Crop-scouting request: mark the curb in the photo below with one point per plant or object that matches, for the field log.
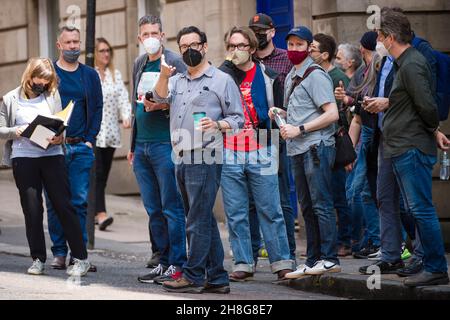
(355, 287)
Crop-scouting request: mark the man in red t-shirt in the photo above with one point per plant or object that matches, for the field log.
(248, 164)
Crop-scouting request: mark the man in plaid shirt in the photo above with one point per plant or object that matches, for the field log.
(276, 59)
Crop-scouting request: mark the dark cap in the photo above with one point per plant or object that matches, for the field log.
(369, 40)
(301, 32)
(261, 20)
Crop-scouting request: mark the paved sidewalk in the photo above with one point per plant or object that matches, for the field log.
(121, 253)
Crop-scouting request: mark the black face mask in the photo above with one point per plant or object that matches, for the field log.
(262, 41)
(192, 57)
(38, 89)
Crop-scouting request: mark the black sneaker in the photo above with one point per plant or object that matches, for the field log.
(414, 267)
(365, 252)
(155, 272)
(172, 273)
(384, 267)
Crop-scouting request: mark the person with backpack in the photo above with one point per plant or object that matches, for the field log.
(309, 133)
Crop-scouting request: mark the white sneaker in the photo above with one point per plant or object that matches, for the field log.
(79, 269)
(299, 273)
(375, 256)
(322, 267)
(37, 268)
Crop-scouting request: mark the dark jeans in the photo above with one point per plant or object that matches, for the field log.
(155, 174)
(413, 174)
(198, 185)
(289, 215)
(315, 193)
(103, 161)
(339, 178)
(79, 159)
(31, 174)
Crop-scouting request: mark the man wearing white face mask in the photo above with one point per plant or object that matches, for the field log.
(257, 85)
(150, 156)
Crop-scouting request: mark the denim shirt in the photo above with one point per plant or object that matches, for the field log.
(305, 104)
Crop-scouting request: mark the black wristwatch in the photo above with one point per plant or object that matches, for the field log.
(302, 130)
(219, 127)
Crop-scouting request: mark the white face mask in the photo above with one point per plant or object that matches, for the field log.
(152, 45)
(381, 49)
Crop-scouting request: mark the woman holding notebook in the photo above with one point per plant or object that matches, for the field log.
(35, 167)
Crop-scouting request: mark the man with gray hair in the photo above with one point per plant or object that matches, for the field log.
(410, 127)
(348, 59)
(81, 84)
(151, 156)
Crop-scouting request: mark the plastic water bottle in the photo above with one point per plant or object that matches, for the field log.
(278, 119)
(445, 166)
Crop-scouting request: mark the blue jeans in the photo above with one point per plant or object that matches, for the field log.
(362, 188)
(410, 168)
(338, 180)
(315, 194)
(238, 179)
(359, 235)
(79, 159)
(285, 200)
(155, 174)
(198, 185)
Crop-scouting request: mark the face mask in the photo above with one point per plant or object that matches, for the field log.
(297, 57)
(152, 45)
(339, 66)
(71, 56)
(38, 89)
(240, 57)
(387, 49)
(381, 49)
(262, 41)
(192, 57)
(318, 60)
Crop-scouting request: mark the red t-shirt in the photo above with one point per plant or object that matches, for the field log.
(245, 140)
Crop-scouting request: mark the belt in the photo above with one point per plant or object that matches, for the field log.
(74, 140)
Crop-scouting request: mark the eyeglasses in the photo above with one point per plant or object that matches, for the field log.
(240, 46)
(104, 51)
(193, 46)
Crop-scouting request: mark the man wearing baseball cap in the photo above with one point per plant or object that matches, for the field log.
(309, 134)
(277, 60)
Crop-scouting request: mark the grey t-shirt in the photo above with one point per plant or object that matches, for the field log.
(305, 104)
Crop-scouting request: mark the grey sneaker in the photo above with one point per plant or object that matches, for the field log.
(79, 269)
(37, 268)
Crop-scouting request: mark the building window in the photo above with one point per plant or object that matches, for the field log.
(48, 28)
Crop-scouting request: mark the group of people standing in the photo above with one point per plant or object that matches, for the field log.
(196, 128)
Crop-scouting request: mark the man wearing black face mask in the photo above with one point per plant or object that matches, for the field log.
(275, 59)
(81, 84)
(267, 53)
(203, 101)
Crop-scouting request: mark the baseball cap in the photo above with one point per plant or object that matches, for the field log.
(262, 21)
(301, 32)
